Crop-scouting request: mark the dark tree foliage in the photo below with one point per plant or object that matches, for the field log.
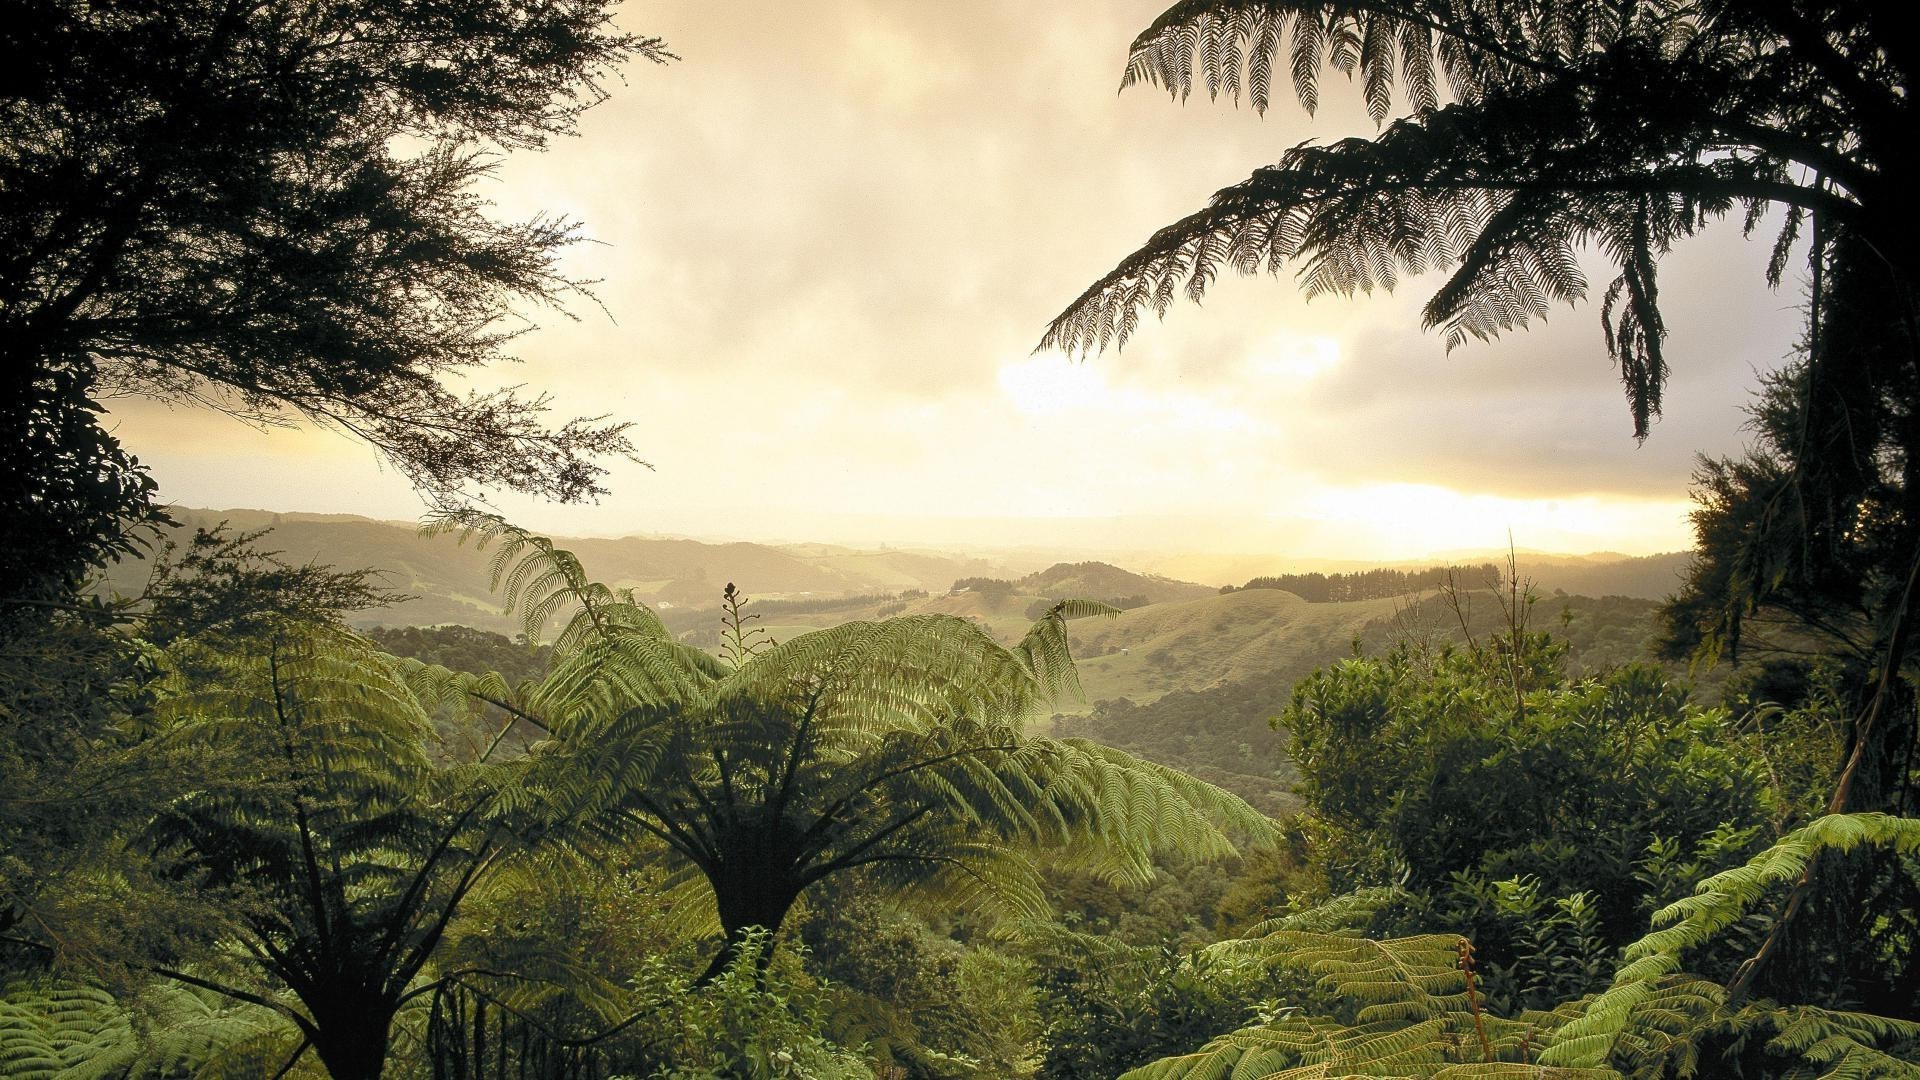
(462, 648)
(1317, 588)
(71, 496)
(267, 206)
(996, 588)
(1810, 542)
(1572, 124)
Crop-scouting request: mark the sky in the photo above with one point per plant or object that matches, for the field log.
(828, 238)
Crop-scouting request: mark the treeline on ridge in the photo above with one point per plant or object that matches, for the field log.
(1376, 584)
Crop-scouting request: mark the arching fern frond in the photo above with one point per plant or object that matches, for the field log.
(1133, 810)
(1503, 191)
(1233, 44)
(1308, 1048)
(1646, 979)
(912, 673)
(534, 578)
(1415, 1014)
(1044, 647)
(64, 1031)
(1563, 134)
(314, 690)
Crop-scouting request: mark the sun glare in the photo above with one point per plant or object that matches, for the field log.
(1049, 384)
(1296, 356)
(1380, 518)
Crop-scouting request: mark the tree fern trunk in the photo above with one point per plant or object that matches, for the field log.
(353, 1036)
(749, 900)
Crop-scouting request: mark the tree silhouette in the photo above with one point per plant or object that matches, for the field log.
(266, 206)
(1572, 124)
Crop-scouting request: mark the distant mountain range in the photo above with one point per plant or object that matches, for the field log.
(451, 583)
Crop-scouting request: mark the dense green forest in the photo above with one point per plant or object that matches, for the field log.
(1398, 824)
(1316, 588)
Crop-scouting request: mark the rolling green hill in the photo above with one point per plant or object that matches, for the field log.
(1221, 730)
(1106, 582)
(1187, 676)
(1199, 643)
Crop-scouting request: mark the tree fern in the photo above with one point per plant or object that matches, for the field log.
(896, 747)
(1648, 983)
(335, 846)
(1571, 124)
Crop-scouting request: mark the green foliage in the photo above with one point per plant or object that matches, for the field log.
(1110, 1006)
(70, 681)
(332, 849)
(1644, 983)
(1440, 762)
(931, 1003)
(82, 684)
(1544, 816)
(897, 747)
(1413, 1007)
(746, 1023)
(60, 1031)
(1559, 950)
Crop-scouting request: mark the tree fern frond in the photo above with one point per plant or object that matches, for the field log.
(1693, 921)
(534, 578)
(1544, 150)
(913, 672)
(1349, 913)
(63, 1031)
(1383, 45)
(1517, 1071)
(1045, 650)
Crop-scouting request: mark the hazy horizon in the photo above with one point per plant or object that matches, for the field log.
(1198, 564)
